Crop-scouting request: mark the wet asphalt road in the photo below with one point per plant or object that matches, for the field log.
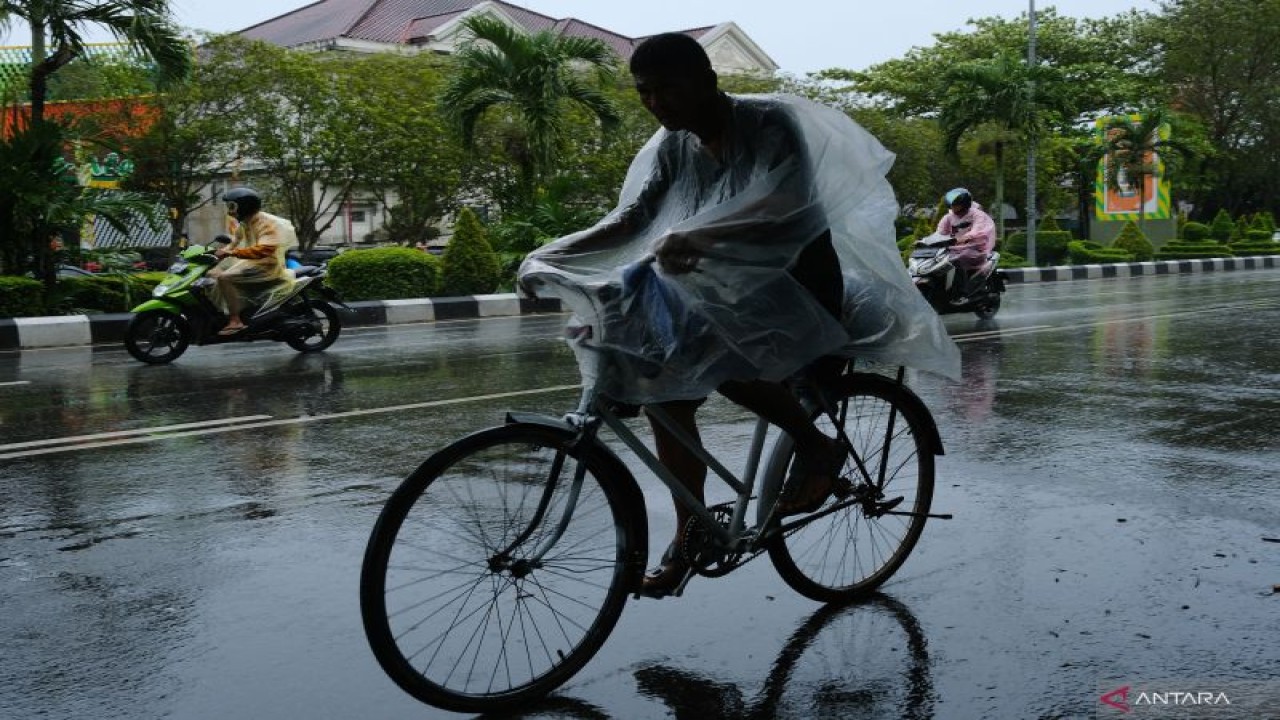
(1110, 463)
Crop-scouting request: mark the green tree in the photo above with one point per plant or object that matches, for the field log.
(1221, 64)
(41, 202)
(533, 78)
(409, 161)
(57, 36)
(469, 266)
(189, 138)
(299, 129)
(997, 96)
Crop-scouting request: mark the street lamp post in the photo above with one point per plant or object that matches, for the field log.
(1031, 134)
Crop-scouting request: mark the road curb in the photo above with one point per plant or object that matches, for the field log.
(74, 330)
(1137, 269)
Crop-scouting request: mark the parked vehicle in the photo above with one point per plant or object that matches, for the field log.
(949, 289)
(179, 313)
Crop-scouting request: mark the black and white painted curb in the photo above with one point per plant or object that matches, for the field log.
(108, 328)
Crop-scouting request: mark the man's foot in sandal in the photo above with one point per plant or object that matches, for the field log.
(664, 579)
(231, 330)
(813, 480)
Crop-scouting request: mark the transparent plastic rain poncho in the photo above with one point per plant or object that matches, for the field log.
(792, 170)
(262, 281)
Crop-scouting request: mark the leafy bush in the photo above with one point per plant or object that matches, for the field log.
(21, 297)
(110, 293)
(1084, 252)
(1257, 236)
(470, 266)
(1195, 231)
(1051, 246)
(1250, 246)
(1221, 227)
(1191, 250)
(1263, 221)
(1047, 224)
(388, 273)
(1133, 241)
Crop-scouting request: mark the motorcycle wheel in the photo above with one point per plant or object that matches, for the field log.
(156, 337)
(989, 308)
(327, 324)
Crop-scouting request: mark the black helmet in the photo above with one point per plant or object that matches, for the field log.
(959, 196)
(242, 202)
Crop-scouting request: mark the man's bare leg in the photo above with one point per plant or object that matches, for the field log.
(690, 471)
(231, 295)
(816, 453)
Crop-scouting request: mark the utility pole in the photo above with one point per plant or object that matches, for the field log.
(1031, 135)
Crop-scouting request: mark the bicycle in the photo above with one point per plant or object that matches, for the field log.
(499, 567)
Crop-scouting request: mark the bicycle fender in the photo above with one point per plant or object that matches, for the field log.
(632, 497)
(932, 438)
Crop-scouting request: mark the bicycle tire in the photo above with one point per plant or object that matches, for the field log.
(848, 553)
(437, 592)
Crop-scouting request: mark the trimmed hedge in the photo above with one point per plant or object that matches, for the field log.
(1133, 241)
(470, 265)
(1193, 250)
(388, 273)
(21, 297)
(1195, 231)
(1084, 252)
(1222, 226)
(1051, 246)
(1256, 247)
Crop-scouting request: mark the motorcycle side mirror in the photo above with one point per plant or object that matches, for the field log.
(222, 240)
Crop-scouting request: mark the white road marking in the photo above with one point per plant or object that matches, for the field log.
(284, 421)
(78, 439)
(15, 382)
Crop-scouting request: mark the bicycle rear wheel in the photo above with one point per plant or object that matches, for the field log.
(470, 602)
(849, 552)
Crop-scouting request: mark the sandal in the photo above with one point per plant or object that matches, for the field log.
(664, 580)
(668, 578)
(812, 481)
(229, 331)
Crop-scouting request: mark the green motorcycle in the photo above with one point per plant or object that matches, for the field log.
(179, 312)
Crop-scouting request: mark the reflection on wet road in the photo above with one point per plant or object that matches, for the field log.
(184, 541)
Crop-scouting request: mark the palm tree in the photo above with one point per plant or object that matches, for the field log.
(996, 94)
(57, 28)
(1131, 146)
(533, 77)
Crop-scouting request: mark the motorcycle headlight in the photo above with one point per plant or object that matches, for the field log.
(160, 290)
(178, 267)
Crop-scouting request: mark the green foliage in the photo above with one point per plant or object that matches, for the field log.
(1188, 250)
(533, 79)
(1047, 224)
(1222, 226)
(390, 273)
(1240, 228)
(1133, 241)
(1051, 246)
(470, 266)
(1083, 252)
(21, 297)
(1194, 231)
(1256, 247)
(1255, 236)
(1263, 221)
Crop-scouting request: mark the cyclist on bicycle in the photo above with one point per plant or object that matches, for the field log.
(721, 269)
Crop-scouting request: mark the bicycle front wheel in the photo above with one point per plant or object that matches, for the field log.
(848, 552)
(497, 569)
